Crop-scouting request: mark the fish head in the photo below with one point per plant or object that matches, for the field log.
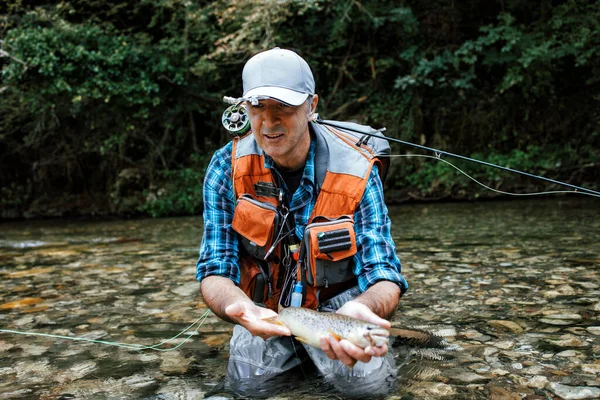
(369, 335)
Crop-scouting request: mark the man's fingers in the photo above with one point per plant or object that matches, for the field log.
(377, 351)
(355, 352)
(326, 347)
(348, 353)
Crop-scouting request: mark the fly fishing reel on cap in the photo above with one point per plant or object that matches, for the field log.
(235, 117)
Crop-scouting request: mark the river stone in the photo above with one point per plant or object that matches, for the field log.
(480, 368)
(587, 285)
(34, 371)
(594, 330)
(560, 322)
(500, 393)
(571, 316)
(488, 351)
(419, 267)
(506, 325)
(568, 341)
(570, 353)
(174, 363)
(516, 366)
(504, 345)
(493, 300)
(76, 371)
(33, 350)
(188, 289)
(137, 381)
(595, 307)
(534, 370)
(17, 394)
(7, 371)
(564, 290)
(573, 392)
(500, 372)
(468, 377)
(538, 382)
(184, 389)
(431, 389)
(470, 334)
(4, 346)
(591, 368)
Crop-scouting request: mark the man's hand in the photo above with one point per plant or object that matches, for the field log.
(230, 303)
(347, 352)
(252, 317)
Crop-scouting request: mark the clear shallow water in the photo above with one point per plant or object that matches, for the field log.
(513, 287)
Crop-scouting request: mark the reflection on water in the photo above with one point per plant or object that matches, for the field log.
(513, 288)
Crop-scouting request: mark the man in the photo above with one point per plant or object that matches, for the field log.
(261, 193)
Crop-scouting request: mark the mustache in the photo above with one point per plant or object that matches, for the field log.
(273, 131)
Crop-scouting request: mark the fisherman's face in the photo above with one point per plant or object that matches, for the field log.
(282, 131)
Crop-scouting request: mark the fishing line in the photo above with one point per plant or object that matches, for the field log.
(484, 185)
(378, 134)
(133, 346)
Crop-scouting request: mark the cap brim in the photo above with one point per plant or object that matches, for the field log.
(283, 95)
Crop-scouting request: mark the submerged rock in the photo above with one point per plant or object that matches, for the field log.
(506, 325)
(574, 392)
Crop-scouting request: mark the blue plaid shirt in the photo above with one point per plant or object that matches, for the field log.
(375, 260)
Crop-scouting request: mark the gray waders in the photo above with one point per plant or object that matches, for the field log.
(253, 361)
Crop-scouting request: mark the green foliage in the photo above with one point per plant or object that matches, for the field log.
(180, 192)
(92, 89)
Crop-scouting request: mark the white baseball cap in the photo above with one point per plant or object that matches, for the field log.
(280, 75)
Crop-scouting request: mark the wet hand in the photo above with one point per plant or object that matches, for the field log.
(360, 311)
(253, 318)
(347, 352)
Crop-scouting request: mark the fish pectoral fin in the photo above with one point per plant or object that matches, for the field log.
(335, 335)
(301, 340)
(273, 320)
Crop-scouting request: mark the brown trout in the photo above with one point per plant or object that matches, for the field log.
(308, 326)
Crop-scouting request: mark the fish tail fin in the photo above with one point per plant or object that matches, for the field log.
(416, 337)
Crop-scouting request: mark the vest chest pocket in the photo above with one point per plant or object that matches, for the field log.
(255, 221)
(329, 245)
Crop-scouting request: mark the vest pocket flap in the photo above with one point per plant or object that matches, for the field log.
(329, 245)
(254, 220)
(333, 241)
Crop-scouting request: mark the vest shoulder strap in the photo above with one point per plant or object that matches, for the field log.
(356, 137)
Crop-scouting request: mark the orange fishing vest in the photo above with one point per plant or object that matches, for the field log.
(346, 167)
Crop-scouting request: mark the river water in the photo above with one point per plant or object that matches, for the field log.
(512, 288)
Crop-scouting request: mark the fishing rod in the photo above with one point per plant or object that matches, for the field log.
(378, 133)
(236, 121)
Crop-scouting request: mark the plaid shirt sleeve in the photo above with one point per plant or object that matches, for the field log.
(219, 248)
(376, 259)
